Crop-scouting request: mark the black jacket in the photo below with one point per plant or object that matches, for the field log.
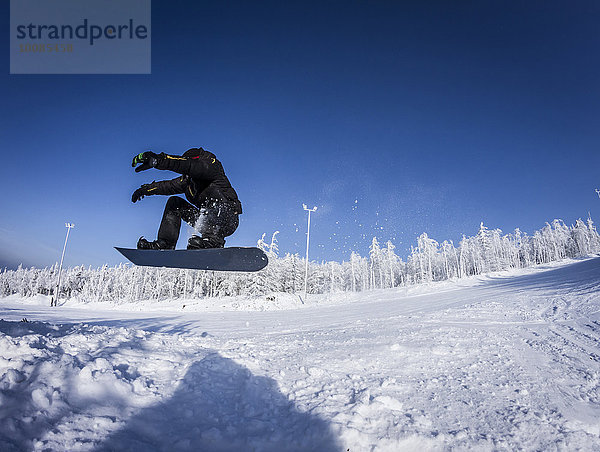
(202, 179)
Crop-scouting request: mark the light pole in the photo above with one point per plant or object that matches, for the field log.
(307, 242)
(54, 301)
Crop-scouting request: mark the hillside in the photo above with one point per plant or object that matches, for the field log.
(504, 361)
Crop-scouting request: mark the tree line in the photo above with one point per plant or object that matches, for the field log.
(487, 251)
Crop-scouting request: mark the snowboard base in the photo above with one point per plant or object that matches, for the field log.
(235, 259)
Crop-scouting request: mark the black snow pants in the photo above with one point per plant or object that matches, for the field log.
(218, 221)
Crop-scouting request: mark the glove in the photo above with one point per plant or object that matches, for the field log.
(140, 193)
(147, 159)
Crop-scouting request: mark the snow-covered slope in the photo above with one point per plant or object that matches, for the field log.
(509, 361)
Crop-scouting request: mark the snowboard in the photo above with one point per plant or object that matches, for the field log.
(236, 259)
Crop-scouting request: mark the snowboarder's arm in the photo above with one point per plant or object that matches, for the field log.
(193, 166)
(165, 187)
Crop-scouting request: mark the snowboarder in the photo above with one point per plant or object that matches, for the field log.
(213, 206)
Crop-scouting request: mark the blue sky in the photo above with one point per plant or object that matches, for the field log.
(394, 118)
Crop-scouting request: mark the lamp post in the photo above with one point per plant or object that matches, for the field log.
(54, 301)
(307, 242)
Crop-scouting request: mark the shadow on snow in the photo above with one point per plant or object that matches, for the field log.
(221, 406)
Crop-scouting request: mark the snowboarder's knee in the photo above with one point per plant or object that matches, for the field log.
(175, 202)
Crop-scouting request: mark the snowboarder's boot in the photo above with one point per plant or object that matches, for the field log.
(159, 244)
(200, 243)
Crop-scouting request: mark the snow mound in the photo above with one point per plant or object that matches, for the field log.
(80, 387)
